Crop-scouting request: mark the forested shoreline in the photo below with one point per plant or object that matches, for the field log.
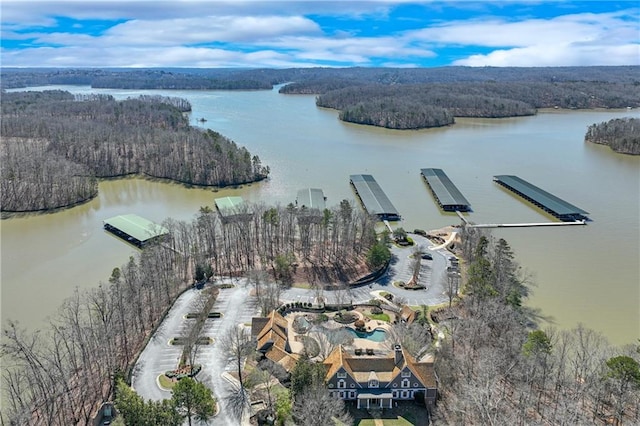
(304, 80)
(620, 134)
(55, 146)
(394, 98)
(497, 366)
(433, 105)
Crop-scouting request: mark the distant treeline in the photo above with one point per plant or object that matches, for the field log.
(54, 146)
(311, 80)
(621, 134)
(395, 98)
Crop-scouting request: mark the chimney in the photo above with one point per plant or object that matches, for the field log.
(398, 357)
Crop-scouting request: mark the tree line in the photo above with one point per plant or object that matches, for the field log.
(432, 105)
(496, 367)
(83, 138)
(312, 80)
(620, 134)
(60, 375)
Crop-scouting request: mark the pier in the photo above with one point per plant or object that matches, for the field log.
(525, 225)
(445, 192)
(548, 202)
(373, 198)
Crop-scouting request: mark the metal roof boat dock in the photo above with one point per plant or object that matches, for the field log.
(232, 209)
(134, 229)
(311, 198)
(373, 198)
(548, 202)
(445, 192)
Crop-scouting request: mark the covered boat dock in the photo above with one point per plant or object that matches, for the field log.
(232, 209)
(445, 192)
(311, 198)
(373, 198)
(548, 202)
(134, 229)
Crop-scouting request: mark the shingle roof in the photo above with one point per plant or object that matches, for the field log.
(273, 337)
(360, 367)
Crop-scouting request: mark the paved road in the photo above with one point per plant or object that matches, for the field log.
(237, 306)
(432, 276)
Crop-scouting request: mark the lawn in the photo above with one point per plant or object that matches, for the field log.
(399, 421)
(379, 317)
(165, 382)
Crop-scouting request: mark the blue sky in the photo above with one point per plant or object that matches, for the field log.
(278, 34)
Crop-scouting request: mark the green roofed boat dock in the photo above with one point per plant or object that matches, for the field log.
(134, 229)
(233, 209)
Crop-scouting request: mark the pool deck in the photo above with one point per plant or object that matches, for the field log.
(360, 343)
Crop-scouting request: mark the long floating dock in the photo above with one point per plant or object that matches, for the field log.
(373, 198)
(445, 192)
(548, 202)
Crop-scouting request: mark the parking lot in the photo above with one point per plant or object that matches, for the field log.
(237, 307)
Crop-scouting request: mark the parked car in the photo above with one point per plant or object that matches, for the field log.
(427, 256)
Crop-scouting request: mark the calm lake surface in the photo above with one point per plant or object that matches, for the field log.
(588, 274)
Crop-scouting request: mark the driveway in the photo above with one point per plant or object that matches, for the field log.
(237, 306)
(433, 276)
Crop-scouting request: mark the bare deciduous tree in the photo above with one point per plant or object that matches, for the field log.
(314, 407)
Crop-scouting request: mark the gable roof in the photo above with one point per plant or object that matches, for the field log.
(273, 339)
(257, 324)
(385, 368)
(407, 314)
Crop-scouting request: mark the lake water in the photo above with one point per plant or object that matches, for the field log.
(588, 274)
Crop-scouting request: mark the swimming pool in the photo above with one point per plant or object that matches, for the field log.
(377, 335)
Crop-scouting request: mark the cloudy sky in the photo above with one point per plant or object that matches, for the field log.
(237, 33)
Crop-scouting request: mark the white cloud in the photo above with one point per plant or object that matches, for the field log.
(211, 29)
(557, 55)
(273, 34)
(578, 39)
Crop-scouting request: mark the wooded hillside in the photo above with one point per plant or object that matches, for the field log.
(80, 139)
(388, 97)
(436, 104)
(621, 134)
(309, 80)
